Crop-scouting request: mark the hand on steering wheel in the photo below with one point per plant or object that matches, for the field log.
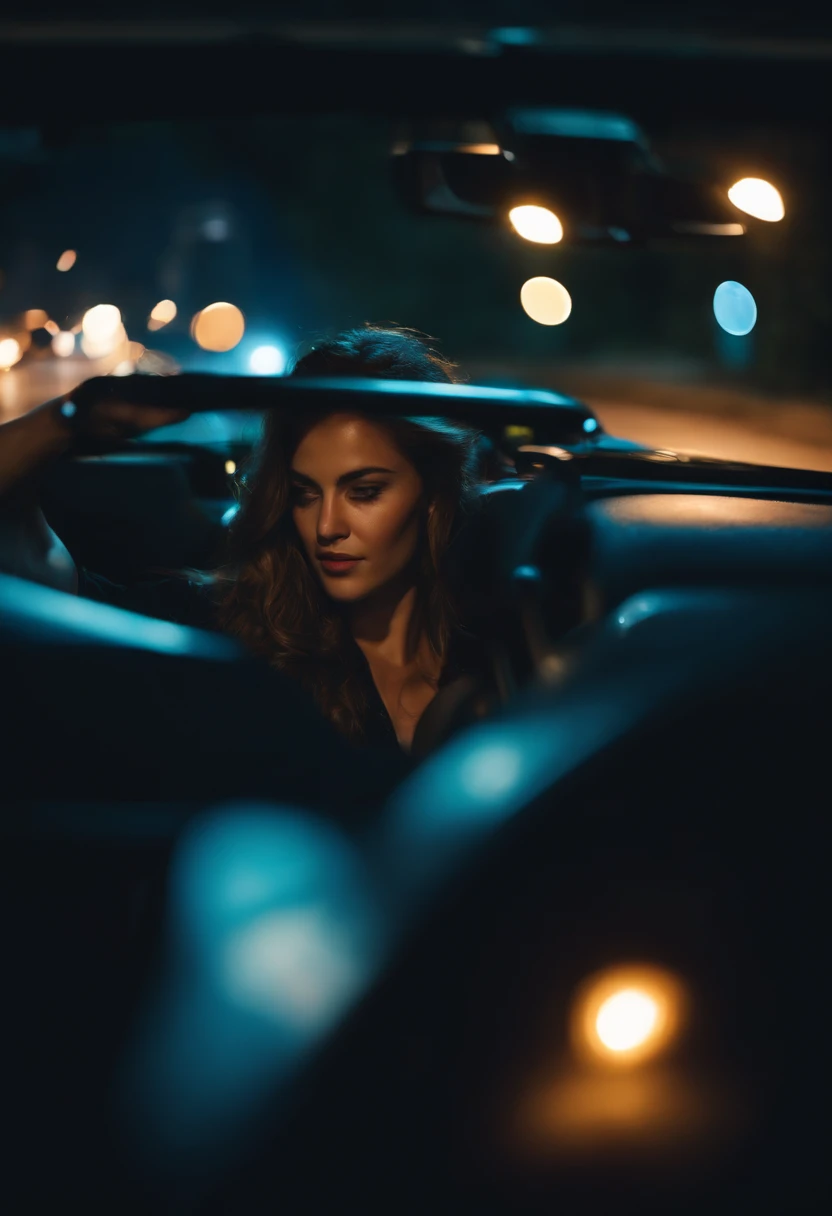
(106, 423)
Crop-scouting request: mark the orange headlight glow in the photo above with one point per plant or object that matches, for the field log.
(627, 1014)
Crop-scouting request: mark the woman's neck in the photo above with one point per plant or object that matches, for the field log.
(386, 626)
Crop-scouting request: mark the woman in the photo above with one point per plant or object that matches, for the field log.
(334, 566)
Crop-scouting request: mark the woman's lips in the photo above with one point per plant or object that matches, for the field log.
(337, 566)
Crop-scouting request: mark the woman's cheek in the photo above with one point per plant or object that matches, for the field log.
(303, 529)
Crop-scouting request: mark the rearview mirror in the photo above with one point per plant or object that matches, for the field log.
(595, 172)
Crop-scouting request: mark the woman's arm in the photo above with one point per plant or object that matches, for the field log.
(29, 446)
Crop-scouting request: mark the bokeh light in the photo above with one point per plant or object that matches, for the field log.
(52, 328)
(10, 353)
(537, 224)
(545, 300)
(101, 321)
(162, 314)
(479, 149)
(216, 229)
(231, 467)
(735, 308)
(35, 318)
(219, 327)
(63, 344)
(103, 331)
(759, 198)
(67, 260)
(491, 771)
(627, 1014)
(626, 1020)
(267, 361)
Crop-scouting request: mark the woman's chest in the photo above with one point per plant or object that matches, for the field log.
(405, 698)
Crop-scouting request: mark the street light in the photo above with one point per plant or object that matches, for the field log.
(757, 197)
(537, 224)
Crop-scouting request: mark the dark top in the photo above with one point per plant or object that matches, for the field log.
(191, 603)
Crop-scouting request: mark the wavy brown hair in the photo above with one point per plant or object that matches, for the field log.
(272, 600)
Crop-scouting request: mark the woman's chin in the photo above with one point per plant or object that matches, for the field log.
(343, 592)
(345, 597)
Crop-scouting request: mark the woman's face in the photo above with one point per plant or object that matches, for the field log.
(355, 496)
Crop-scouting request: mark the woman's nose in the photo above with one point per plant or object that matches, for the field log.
(331, 525)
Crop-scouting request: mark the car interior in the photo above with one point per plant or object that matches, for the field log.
(659, 651)
(252, 968)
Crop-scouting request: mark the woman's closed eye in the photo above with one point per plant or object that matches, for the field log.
(365, 493)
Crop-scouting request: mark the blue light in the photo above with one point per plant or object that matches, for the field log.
(27, 607)
(735, 308)
(267, 361)
(576, 124)
(590, 425)
(274, 931)
(526, 574)
(515, 36)
(491, 772)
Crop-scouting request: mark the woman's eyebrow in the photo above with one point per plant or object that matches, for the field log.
(345, 477)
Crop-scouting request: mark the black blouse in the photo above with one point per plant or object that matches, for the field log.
(190, 603)
(466, 656)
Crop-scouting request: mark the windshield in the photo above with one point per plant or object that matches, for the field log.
(231, 245)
